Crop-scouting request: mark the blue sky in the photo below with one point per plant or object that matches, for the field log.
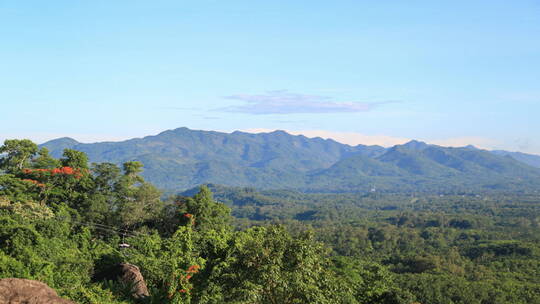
(447, 72)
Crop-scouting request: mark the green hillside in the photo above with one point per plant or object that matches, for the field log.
(182, 158)
(70, 224)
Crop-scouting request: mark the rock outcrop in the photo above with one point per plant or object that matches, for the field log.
(126, 274)
(22, 291)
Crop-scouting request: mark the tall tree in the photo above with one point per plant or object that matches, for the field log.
(74, 159)
(44, 160)
(17, 154)
(138, 201)
(208, 213)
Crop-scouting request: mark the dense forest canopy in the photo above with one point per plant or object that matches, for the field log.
(63, 219)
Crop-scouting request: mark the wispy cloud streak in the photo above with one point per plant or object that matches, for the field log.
(283, 102)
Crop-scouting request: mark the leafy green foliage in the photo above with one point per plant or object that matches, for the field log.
(270, 266)
(471, 248)
(62, 221)
(17, 154)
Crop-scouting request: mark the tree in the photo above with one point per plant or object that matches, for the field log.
(74, 159)
(132, 168)
(137, 201)
(44, 160)
(104, 200)
(208, 214)
(106, 175)
(145, 204)
(369, 281)
(268, 265)
(17, 154)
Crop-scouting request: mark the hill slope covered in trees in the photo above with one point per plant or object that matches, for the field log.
(64, 221)
(183, 158)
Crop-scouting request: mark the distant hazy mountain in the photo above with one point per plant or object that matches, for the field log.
(529, 159)
(183, 158)
(431, 168)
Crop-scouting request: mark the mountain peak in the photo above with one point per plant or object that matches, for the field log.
(415, 145)
(62, 141)
(57, 146)
(279, 132)
(181, 130)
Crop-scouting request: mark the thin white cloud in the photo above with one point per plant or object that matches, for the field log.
(283, 102)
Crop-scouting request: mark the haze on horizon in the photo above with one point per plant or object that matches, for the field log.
(452, 73)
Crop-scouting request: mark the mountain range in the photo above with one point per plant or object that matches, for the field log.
(179, 159)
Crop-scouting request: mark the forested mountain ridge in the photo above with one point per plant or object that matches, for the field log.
(430, 168)
(65, 222)
(182, 158)
(529, 159)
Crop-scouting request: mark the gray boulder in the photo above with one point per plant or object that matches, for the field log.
(22, 291)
